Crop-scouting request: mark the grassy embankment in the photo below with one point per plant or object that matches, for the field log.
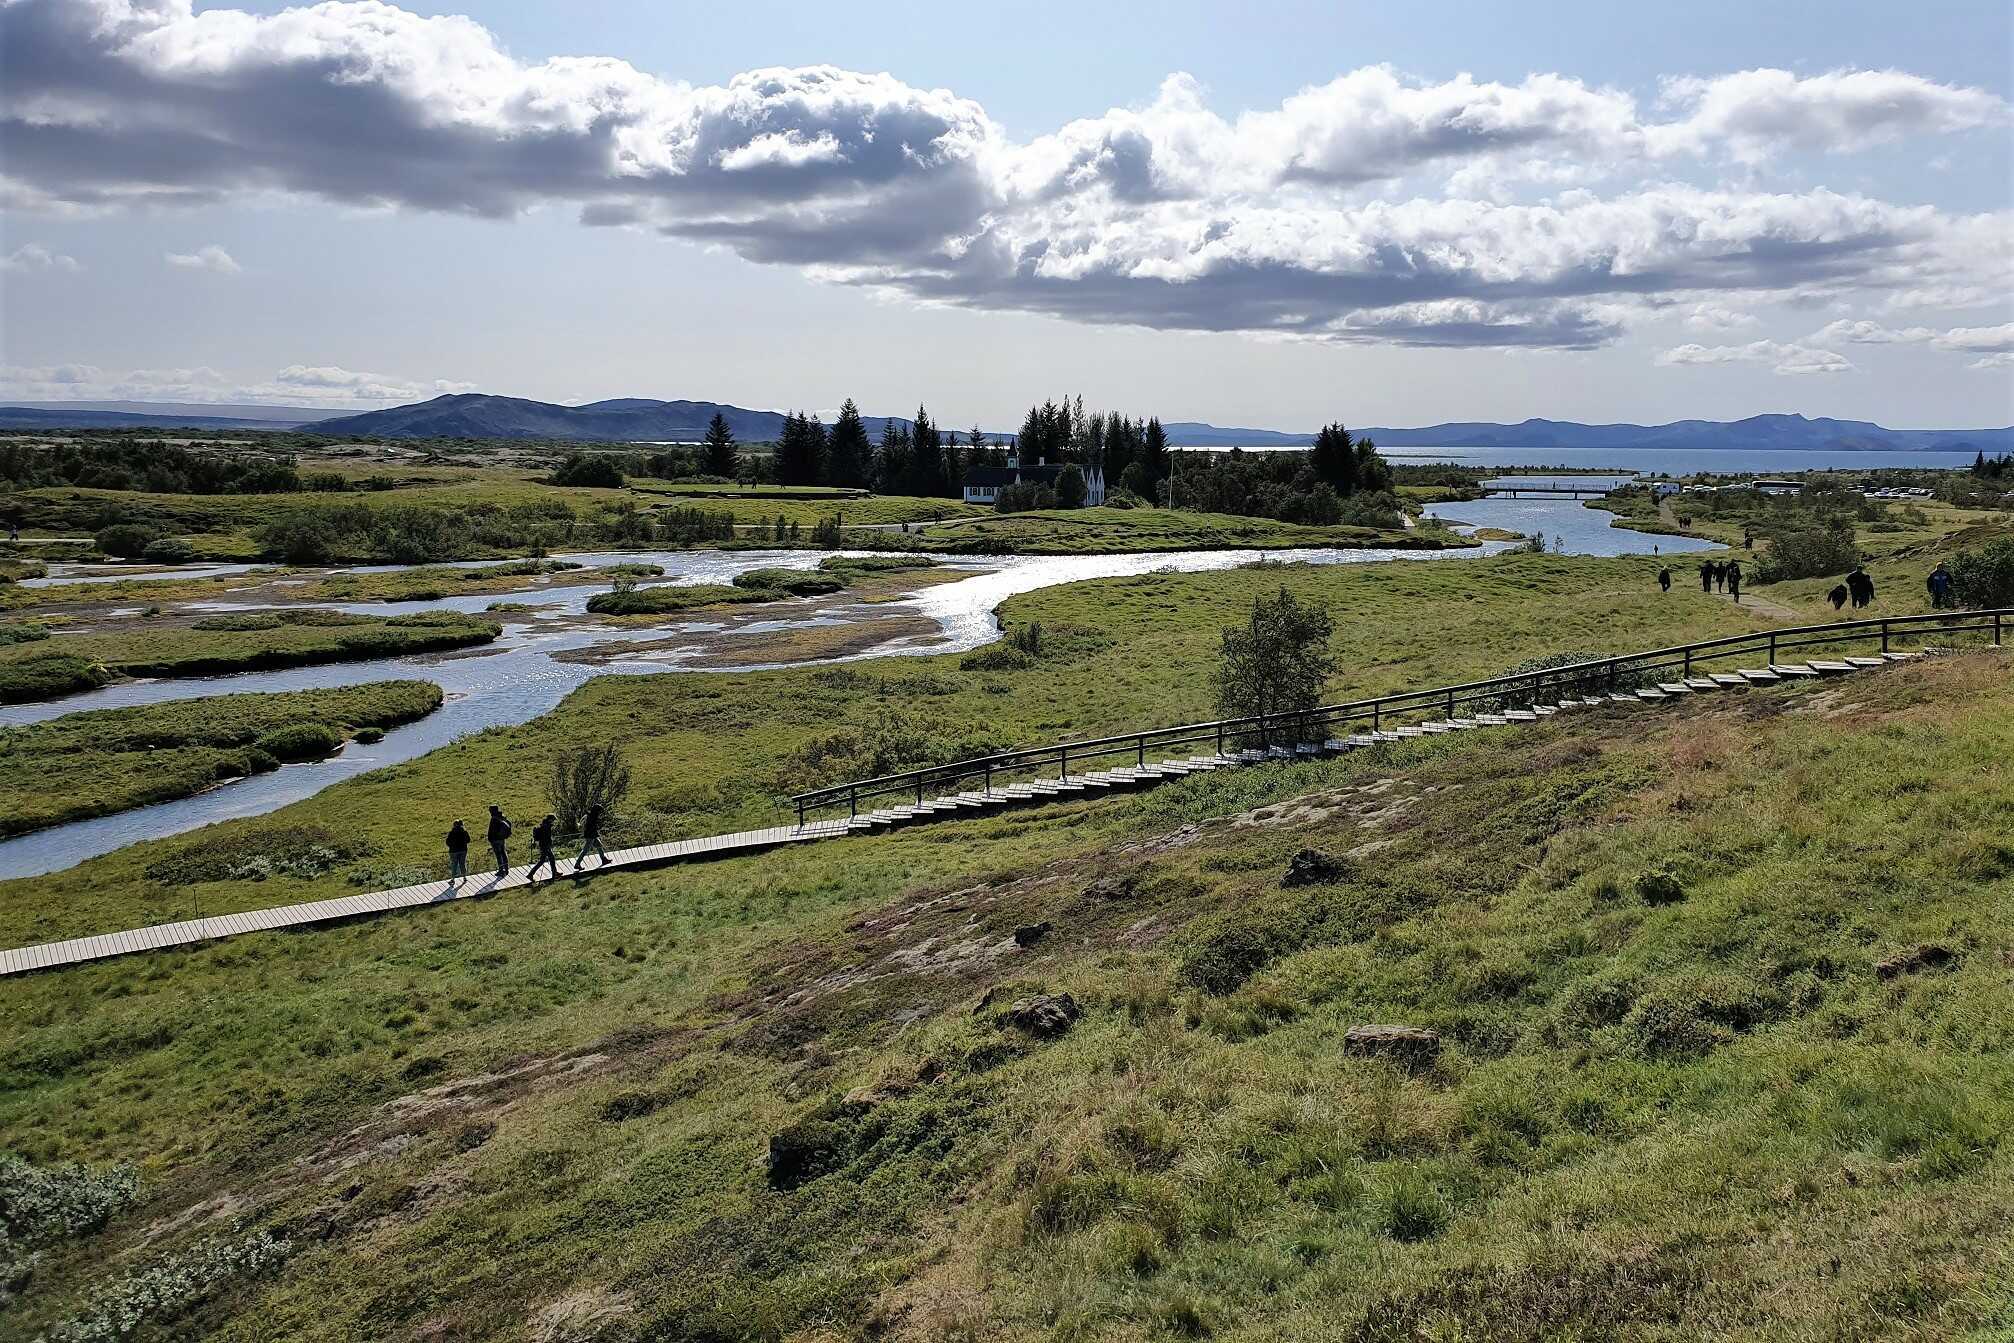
(45, 668)
(1096, 531)
(775, 1097)
(836, 573)
(107, 760)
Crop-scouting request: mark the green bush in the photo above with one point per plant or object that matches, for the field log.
(25, 633)
(1809, 552)
(997, 657)
(1984, 579)
(794, 582)
(299, 741)
(239, 622)
(126, 541)
(168, 550)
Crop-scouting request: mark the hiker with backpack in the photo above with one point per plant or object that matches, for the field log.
(590, 836)
(1706, 569)
(499, 837)
(541, 835)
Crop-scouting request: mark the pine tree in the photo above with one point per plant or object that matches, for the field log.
(847, 450)
(891, 462)
(926, 457)
(788, 460)
(1154, 452)
(1334, 459)
(722, 457)
(816, 448)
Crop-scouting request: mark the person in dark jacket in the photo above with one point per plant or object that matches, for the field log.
(1939, 584)
(499, 836)
(1706, 569)
(541, 835)
(1733, 571)
(1861, 587)
(1720, 576)
(590, 837)
(458, 851)
(1838, 596)
(1664, 580)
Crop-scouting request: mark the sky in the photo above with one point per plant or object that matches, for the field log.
(1271, 215)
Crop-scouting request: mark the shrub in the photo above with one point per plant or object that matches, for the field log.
(583, 777)
(26, 633)
(1027, 638)
(126, 541)
(1808, 552)
(998, 657)
(794, 582)
(299, 741)
(1984, 578)
(170, 1287)
(1412, 1209)
(168, 550)
(589, 470)
(370, 735)
(240, 622)
(40, 1205)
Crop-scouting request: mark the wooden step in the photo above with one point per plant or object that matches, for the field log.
(1675, 688)
(1868, 662)
(1792, 669)
(1757, 676)
(1651, 695)
(1702, 683)
(1832, 668)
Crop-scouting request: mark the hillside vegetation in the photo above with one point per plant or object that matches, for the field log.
(1723, 1052)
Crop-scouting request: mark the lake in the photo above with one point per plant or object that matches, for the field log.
(1680, 461)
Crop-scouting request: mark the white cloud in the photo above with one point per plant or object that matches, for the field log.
(34, 256)
(210, 258)
(1755, 114)
(1718, 317)
(1995, 343)
(1786, 359)
(293, 385)
(1167, 215)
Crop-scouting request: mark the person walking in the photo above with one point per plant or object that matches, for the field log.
(590, 837)
(1939, 584)
(1720, 575)
(499, 837)
(1664, 580)
(1838, 595)
(1860, 586)
(458, 851)
(1734, 581)
(541, 835)
(1706, 568)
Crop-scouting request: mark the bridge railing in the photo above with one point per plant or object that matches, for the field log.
(1282, 732)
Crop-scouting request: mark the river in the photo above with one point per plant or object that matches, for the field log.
(522, 675)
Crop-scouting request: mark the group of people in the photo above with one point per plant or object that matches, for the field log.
(499, 834)
(1714, 576)
(1857, 588)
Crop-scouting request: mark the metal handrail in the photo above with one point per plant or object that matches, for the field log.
(1449, 698)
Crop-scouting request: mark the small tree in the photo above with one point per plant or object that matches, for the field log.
(583, 777)
(722, 457)
(1070, 489)
(1277, 664)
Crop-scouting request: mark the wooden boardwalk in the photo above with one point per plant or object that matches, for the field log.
(74, 951)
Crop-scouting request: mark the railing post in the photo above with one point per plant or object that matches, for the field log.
(1884, 636)
(1142, 744)
(989, 778)
(1996, 629)
(919, 788)
(1065, 756)
(1376, 718)
(800, 813)
(1688, 663)
(1220, 736)
(852, 800)
(1772, 650)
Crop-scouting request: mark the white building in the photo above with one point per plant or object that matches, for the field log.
(984, 483)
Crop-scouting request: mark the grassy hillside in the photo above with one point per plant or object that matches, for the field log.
(1721, 995)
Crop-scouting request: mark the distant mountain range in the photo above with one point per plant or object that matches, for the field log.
(640, 420)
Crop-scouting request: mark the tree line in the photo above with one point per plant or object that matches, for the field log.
(144, 464)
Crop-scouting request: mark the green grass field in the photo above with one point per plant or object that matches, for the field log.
(107, 760)
(775, 1098)
(1090, 531)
